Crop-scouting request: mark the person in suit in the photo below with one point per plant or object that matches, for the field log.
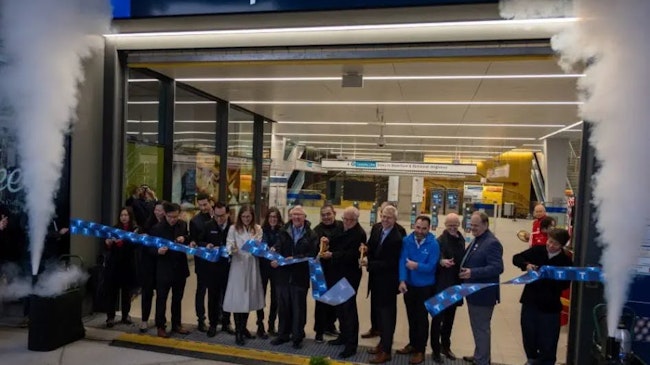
(147, 260)
(197, 224)
(296, 240)
(482, 263)
(540, 300)
(374, 321)
(215, 274)
(382, 263)
(172, 270)
(452, 250)
(342, 257)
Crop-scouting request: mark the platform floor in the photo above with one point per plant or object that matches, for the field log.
(506, 336)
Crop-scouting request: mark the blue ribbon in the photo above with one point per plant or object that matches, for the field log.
(338, 294)
(456, 293)
(85, 228)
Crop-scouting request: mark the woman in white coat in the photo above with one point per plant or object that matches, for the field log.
(244, 292)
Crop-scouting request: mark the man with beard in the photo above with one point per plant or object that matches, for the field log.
(172, 270)
(342, 261)
(325, 314)
(196, 230)
(215, 274)
(417, 275)
(382, 262)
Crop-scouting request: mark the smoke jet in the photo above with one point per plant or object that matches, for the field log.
(43, 45)
(609, 41)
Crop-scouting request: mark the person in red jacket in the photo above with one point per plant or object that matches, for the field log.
(539, 213)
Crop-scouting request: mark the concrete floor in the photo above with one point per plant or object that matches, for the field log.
(506, 335)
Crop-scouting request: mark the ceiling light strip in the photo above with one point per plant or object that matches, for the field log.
(560, 130)
(403, 136)
(372, 78)
(394, 102)
(334, 144)
(340, 28)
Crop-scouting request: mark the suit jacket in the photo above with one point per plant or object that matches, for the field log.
(484, 257)
(383, 263)
(307, 246)
(197, 224)
(345, 257)
(173, 264)
(212, 233)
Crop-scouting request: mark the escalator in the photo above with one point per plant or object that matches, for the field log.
(537, 179)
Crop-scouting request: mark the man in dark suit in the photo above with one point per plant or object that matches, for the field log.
(482, 263)
(197, 225)
(342, 257)
(382, 262)
(374, 321)
(215, 274)
(172, 269)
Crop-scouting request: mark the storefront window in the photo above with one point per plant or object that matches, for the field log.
(196, 165)
(144, 153)
(241, 185)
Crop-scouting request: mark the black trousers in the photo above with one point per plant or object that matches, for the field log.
(292, 312)
(349, 322)
(441, 326)
(417, 314)
(216, 292)
(374, 317)
(267, 278)
(199, 296)
(540, 332)
(324, 317)
(177, 286)
(147, 274)
(118, 287)
(386, 307)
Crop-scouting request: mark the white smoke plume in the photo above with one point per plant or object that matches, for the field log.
(52, 282)
(43, 45)
(609, 40)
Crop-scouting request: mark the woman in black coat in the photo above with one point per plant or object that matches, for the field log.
(272, 225)
(452, 250)
(120, 269)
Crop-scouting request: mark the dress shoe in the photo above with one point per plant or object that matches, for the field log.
(436, 358)
(239, 339)
(370, 334)
(228, 329)
(247, 334)
(319, 338)
(416, 358)
(261, 333)
(347, 352)
(374, 350)
(407, 350)
(162, 333)
(297, 345)
(450, 355)
(180, 330)
(336, 342)
(110, 323)
(279, 341)
(126, 320)
(212, 331)
(469, 359)
(380, 358)
(201, 327)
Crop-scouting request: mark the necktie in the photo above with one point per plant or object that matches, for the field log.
(384, 233)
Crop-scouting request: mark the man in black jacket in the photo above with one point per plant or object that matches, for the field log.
(342, 259)
(215, 274)
(296, 240)
(324, 314)
(382, 262)
(374, 321)
(540, 300)
(172, 269)
(197, 225)
(452, 250)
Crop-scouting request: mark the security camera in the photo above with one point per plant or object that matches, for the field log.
(381, 142)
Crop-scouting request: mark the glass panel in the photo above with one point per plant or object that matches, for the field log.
(240, 158)
(266, 168)
(195, 166)
(143, 162)
(142, 107)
